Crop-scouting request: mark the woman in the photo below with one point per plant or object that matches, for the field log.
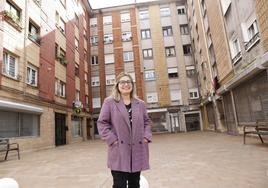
(125, 126)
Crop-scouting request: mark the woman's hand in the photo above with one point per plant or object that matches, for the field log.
(114, 143)
(145, 140)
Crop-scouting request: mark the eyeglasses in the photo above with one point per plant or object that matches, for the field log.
(123, 82)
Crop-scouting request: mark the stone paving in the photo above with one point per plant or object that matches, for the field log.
(183, 160)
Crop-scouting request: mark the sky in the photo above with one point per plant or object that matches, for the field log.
(95, 4)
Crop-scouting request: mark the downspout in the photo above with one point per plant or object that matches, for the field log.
(25, 49)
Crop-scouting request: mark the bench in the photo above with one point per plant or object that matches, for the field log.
(5, 147)
(258, 128)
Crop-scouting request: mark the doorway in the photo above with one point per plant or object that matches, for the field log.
(60, 129)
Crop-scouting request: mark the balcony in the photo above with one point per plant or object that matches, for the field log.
(13, 20)
(237, 57)
(252, 41)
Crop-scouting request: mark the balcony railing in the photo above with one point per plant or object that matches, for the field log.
(237, 57)
(252, 41)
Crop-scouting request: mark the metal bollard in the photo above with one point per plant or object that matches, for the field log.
(8, 183)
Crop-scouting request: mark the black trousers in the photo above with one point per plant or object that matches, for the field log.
(122, 179)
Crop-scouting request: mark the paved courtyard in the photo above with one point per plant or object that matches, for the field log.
(184, 160)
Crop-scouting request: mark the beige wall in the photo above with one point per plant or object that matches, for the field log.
(262, 9)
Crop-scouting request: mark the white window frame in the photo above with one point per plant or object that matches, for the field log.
(32, 72)
(143, 14)
(165, 11)
(125, 17)
(128, 56)
(145, 34)
(173, 70)
(107, 20)
(109, 58)
(93, 22)
(108, 38)
(190, 70)
(195, 93)
(181, 9)
(147, 53)
(167, 31)
(184, 29)
(62, 25)
(94, 40)
(170, 51)
(95, 81)
(94, 60)
(76, 42)
(96, 102)
(110, 79)
(60, 88)
(152, 97)
(10, 69)
(126, 36)
(149, 75)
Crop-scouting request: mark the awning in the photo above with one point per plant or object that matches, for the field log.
(17, 107)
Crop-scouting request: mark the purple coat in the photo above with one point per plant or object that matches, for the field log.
(131, 154)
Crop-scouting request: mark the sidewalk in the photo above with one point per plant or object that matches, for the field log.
(184, 160)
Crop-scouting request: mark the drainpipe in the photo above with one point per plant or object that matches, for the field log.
(25, 49)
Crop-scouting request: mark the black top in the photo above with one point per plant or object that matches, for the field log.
(129, 113)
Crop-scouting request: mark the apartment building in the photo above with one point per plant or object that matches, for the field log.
(44, 53)
(150, 41)
(237, 63)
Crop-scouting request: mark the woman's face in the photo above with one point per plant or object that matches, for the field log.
(125, 85)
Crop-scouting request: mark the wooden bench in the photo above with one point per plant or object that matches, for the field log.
(258, 128)
(5, 146)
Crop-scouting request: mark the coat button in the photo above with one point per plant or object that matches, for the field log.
(140, 142)
(122, 142)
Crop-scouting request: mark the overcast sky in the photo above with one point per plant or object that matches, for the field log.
(108, 3)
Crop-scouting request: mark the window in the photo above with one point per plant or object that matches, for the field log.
(203, 7)
(13, 11)
(145, 34)
(110, 79)
(173, 72)
(76, 43)
(96, 102)
(167, 31)
(33, 32)
(94, 40)
(107, 20)
(109, 58)
(187, 49)
(235, 50)
(175, 95)
(77, 126)
(77, 95)
(165, 11)
(128, 56)
(150, 75)
(126, 36)
(62, 26)
(87, 100)
(193, 93)
(93, 22)
(190, 71)
(108, 38)
(17, 124)
(152, 97)
(31, 75)
(60, 88)
(170, 51)
(181, 10)
(125, 17)
(10, 65)
(85, 75)
(63, 2)
(184, 29)
(94, 60)
(252, 30)
(95, 81)
(76, 20)
(56, 50)
(76, 70)
(147, 53)
(143, 14)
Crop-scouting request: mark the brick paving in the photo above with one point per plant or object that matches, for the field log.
(183, 160)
